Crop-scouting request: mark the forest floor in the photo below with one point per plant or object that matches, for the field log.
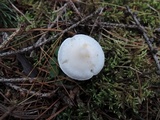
(32, 86)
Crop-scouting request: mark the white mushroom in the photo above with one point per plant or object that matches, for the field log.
(80, 57)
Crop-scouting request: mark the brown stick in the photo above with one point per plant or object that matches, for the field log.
(7, 112)
(31, 30)
(11, 80)
(34, 93)
(36, 45)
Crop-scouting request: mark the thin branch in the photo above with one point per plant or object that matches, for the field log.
(11, 80)
(34, 93)
(10, 38)
(36, 45)
(117, 25)
(95, 22)
(74, 7)
(31, 30)
(142, 29)
(103, 24)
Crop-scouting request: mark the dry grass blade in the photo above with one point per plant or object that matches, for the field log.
(55, 114)
(7, 112)
(52, 105)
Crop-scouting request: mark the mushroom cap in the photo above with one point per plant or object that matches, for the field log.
(80, 57)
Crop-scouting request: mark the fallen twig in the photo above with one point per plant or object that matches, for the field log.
(142, 29)
(103, 24)
(31, 30)
(11, 80)
(74, 7)
(106, 25)
(10, 38)
(34, 93)
(36, 45)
